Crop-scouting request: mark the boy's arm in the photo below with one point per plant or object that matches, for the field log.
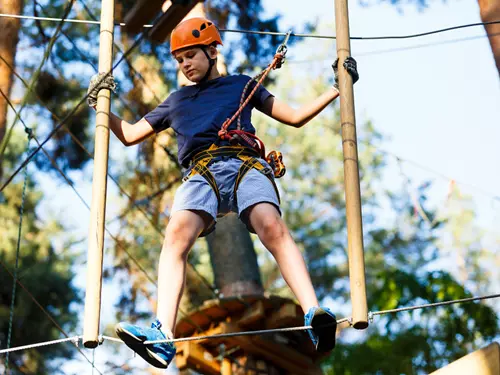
(130, 134)
(282, 112)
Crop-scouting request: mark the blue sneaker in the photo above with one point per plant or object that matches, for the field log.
(157, 355)
(324, 328)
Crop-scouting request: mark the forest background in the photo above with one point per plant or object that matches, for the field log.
(426, 113)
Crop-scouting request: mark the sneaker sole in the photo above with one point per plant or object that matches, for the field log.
(137, 345)
(325, 327)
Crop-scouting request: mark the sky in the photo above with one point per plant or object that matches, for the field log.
(438, 105)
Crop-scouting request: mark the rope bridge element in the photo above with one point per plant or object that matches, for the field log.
(75, 339)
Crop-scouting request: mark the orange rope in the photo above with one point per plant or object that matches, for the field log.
(276, 61)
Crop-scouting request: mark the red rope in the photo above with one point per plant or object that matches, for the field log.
(223, 133)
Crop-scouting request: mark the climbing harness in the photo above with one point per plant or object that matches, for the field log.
(243, 145)
(200, 163)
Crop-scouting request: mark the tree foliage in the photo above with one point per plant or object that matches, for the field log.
(402, 250)
(45, 274)
(401, 257)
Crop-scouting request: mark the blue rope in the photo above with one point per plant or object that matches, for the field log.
(11, 317)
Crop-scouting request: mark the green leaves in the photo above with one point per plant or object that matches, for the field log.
(46, 272)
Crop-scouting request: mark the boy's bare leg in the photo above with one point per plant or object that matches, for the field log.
(182, 231)
(274, 235)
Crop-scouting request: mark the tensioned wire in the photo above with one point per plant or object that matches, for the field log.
(397, 49)
(290, 329)
(276, 33)
(269, 331)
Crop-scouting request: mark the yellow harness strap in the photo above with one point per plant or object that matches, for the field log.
(245, 154)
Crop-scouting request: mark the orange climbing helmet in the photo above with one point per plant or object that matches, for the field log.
(194, 32)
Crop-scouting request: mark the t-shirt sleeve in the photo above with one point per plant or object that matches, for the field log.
(260, 95)
(159, 118)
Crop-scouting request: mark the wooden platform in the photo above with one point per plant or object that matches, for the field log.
(144, 12)
(291, 352)
(485, 361)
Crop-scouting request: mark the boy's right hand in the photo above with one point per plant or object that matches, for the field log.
(98, 82)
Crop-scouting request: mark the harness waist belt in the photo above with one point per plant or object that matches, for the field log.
(235, 151)
(248, 156)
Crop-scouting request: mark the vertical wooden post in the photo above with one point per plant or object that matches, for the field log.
(98, 207)
(351, 172)
(226, 367)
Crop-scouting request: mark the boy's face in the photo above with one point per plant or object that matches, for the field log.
(193, 63)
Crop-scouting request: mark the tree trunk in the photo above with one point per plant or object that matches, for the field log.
(8, 43)
(490, 11)
(233, 258)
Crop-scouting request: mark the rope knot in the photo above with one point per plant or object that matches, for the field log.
(222, 133)
(279, 58)
(29, 131)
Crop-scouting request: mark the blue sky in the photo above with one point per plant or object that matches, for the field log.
(439, 105)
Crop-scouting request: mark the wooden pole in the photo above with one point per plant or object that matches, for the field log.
(226, 367)
(98, 207)
(351, 172)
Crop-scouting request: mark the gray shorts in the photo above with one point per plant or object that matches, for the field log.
(196, 194)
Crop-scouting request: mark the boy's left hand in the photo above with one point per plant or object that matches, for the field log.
(350, 65)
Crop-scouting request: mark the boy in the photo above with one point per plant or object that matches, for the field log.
(214, 186)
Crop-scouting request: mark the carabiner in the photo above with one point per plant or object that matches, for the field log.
(282, 49)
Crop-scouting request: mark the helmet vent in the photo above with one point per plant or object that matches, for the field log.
(196, 33)
(203, 26)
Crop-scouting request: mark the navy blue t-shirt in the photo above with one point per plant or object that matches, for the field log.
(196, 113)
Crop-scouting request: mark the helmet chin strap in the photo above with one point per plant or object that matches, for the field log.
(211, 63)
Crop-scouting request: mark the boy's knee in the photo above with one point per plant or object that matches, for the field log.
(271, 227)
(181, 233)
